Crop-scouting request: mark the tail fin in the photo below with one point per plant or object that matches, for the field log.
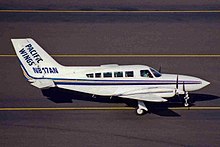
(35, 62)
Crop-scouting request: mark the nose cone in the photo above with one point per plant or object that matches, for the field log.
(198, 84)
(205, 83)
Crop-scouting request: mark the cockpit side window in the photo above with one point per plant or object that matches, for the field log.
(146, 73)
(155, 72)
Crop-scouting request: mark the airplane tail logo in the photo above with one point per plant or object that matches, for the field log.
(34, 61)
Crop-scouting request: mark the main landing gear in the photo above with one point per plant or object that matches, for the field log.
(186, 98)
(141, 108)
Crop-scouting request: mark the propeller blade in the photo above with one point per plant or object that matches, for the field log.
(177, 82)
(184, 89)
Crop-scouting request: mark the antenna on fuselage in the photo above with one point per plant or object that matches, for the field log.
(160, 69)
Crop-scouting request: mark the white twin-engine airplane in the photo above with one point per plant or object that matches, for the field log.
(138, 82)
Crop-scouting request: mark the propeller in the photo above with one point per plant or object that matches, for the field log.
(177, 85)
(184, 90)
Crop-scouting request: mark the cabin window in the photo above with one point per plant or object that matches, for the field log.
(146, 73)
(107, 74)
(98, 75)
(118, 74)
(90, 75)
(155, 72)
(129, 74)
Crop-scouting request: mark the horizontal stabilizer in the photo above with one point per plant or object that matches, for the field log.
(42, 83)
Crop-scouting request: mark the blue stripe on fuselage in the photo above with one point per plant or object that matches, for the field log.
(115, 83)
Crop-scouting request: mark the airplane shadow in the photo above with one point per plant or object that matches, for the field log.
(58, 95)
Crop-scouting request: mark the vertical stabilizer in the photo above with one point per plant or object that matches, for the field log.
(34, 61)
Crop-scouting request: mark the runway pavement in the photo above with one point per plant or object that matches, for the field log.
(111, 5)
(64, 118)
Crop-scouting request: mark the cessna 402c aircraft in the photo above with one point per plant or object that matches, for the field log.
(138, 82)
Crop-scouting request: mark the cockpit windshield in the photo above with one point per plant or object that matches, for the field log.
(155, 72)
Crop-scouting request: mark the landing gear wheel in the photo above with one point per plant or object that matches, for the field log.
(186, 104)
(140, 111)
(141, 108)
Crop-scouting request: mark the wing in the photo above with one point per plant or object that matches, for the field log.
(145, 97)
(150, 94)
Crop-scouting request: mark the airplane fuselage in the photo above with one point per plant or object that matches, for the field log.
(113, 80)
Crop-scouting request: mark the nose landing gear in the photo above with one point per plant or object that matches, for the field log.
(186, 98)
